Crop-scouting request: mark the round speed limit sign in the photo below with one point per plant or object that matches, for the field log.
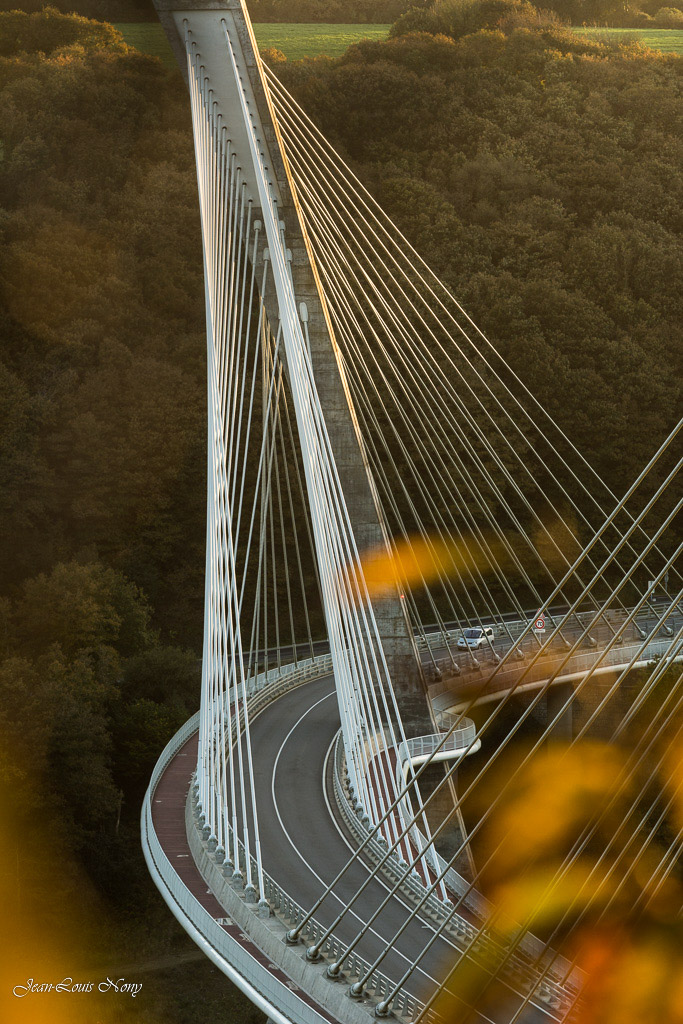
(539, 624)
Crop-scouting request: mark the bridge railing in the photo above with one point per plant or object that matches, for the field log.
(268, 687)
(271, 685)
(311, 668)
(422, 746)
(355, 966)
(208, 932)
(607, 625)
(517, 969)
(579, 664)
(463, 736)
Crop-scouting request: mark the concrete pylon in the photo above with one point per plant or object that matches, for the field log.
(347, 446)
(557, 697)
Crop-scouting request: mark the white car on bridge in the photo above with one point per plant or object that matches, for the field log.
(475, 637)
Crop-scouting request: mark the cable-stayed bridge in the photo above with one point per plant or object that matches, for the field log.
(377, 476)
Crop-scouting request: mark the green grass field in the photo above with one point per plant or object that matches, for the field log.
(668, 40)
(295, 41)
(148, 38)
(298, 41)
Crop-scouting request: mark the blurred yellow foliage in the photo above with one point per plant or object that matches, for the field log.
(420, 560)
(673, 771)
(633, 976)
(607, 902)
(52, 931)
(538, 899)
(558, 789)
(29, 949)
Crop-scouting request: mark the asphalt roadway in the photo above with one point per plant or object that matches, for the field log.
(303, 847)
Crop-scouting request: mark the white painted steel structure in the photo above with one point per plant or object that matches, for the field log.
(477, 511)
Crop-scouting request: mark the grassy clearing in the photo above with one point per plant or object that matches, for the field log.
(298, 41)
(668, 40)
(295, 41)
(148, 38)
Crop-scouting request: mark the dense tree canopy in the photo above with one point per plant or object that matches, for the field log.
(538, 173)
(381, 12)
(105, 10)
(101, 313)
(350, 12)
(456, 17)
(101, 367)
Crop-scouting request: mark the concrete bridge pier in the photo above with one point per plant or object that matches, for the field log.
(556, 698)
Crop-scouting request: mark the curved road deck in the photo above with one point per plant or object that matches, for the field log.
(303, 844)
(304, 847)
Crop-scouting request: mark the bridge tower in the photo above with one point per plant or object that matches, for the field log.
(242, 166)
(211, 21)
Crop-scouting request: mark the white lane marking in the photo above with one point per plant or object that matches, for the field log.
(382, 939)
(314, 873)
(544, 1010)
(353, 849)
(289, 838)
(379, 880)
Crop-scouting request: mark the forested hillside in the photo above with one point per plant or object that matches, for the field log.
(538, 173)
(441, 15)
(102, 474)
(380, 12)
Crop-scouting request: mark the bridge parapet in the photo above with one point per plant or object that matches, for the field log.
(207, 932)
(562, 981)
(283, 912)
(420, 748)
(445, 694)
(288, 914)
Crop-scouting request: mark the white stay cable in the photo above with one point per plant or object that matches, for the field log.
(634, 526)
(378, 226)
(225, 634)
(318, 465)
(333, 231)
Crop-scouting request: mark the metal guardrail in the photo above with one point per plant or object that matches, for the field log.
(280, 902)
(258, 980)
(292, 914)
(579, 664)
(311, 668)
(488, 952)
(268, 686)
(421, 746)
(288, 910)
(223, 944)
(610, 621)
(282, 905)
(462, 737)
